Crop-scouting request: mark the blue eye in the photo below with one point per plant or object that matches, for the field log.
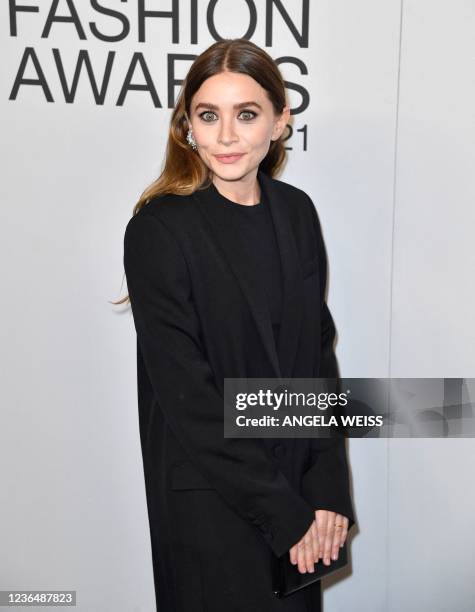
(206, 113)
(250, 112)
(247, 112)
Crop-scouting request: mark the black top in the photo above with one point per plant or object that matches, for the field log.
(254, 223)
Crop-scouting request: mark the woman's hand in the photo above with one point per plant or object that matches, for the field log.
(324, 538)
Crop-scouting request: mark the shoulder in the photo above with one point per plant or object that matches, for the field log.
(300, 207)
(151, 235)
(296, 199)
(161, 214)
(167, 207)
(287, 188)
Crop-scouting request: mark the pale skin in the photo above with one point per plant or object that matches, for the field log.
(220, 128)
(323, 540)
(231, 113)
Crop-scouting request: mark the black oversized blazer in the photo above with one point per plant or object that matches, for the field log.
(220, 507)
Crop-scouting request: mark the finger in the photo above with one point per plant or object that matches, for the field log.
(305, 552)
(321, 522)
(315, 542)
(329, 537)
(293, 555)
(301, 556)
(337, 536)
(309, 551)
(344, 531)
(317, 537)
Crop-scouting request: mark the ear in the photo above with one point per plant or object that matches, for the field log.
(281, 123)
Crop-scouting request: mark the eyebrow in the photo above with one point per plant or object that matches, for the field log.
(214, 107)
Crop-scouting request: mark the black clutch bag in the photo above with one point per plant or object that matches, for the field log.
(286, 578)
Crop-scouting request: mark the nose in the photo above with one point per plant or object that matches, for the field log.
(227, 135)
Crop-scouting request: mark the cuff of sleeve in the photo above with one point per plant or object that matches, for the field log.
(324, 493)
(281, 537)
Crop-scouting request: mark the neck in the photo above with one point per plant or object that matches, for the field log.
(246, 191)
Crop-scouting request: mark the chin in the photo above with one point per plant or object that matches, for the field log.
(229, 174)
(233, 172)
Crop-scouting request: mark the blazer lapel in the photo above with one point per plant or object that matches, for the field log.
(252, 288)
(292, 280)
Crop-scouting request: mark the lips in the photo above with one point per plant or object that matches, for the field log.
(229, 158)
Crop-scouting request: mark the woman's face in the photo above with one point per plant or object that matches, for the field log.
(231, 113)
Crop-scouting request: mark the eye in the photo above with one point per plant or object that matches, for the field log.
(250, 115)
(202, 115)
(249, 112)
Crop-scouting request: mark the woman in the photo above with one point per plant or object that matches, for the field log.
(226, 274)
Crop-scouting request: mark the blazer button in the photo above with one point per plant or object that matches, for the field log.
(279, 450)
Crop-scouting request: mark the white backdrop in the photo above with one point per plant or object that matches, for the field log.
(390, 125)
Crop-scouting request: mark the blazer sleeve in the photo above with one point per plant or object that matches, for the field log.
(326, 484)
(168, 332)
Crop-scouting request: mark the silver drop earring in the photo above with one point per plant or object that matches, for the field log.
(190, 140)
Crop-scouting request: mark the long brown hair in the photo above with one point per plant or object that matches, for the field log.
(184, 171)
